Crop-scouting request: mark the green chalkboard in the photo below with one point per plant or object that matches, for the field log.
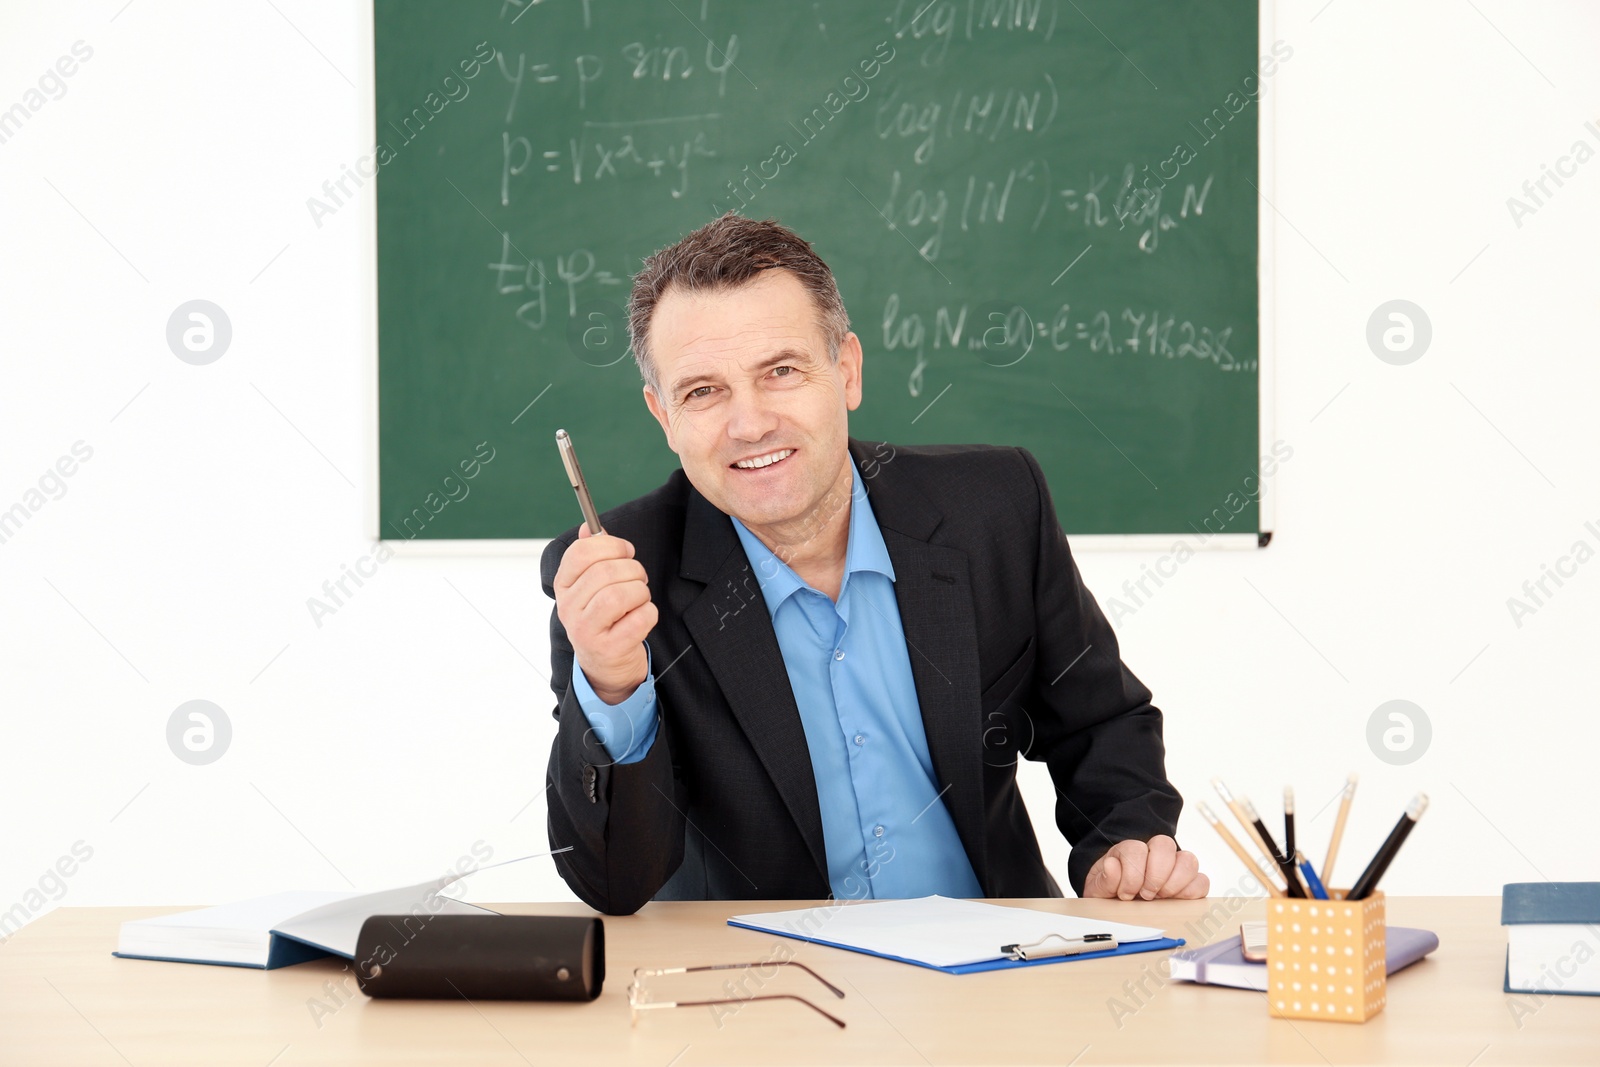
(1041, 215)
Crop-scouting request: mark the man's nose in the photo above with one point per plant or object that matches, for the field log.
(749, 417)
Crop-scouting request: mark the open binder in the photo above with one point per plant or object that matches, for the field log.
(949, 935)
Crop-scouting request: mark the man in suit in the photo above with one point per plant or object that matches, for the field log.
(807, 665)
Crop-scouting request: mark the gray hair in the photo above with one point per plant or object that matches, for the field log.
(726, 253)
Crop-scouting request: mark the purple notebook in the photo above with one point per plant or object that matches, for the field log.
(1221, 963)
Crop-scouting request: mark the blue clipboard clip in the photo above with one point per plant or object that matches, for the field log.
(1069, 946)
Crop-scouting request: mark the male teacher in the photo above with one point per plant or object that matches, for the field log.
(807, 665)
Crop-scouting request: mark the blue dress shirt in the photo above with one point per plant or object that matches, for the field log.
(627, 730)
(884, 824)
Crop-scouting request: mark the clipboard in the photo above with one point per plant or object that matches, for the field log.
(948, 916)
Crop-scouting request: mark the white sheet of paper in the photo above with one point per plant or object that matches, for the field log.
(335, 926)
(243, 919)
(940, 931)
(240, 932)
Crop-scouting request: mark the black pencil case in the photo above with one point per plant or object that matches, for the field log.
(481, 957)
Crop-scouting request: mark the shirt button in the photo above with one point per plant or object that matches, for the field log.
(838, 653)
(877, 831)
(861, 739)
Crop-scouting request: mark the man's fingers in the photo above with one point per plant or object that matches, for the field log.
(585, 552)
(1147, 870)
(609, 605)
(1104, 877)
(1185, 868)
(584, 533)
(637, 624)
(1199, 887)
(1133, 855)
(600, 576)
(1160, 859)
(1186, 883)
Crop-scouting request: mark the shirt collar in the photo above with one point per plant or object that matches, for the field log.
(864, 551)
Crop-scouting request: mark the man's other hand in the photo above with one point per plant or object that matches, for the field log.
(1150, 871)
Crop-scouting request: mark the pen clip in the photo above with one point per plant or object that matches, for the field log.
(1071, 946)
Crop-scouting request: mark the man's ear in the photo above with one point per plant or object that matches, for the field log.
(850, 367)
(653, 402)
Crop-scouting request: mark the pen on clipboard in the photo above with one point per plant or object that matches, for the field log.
(1067, 946)
(569, 459)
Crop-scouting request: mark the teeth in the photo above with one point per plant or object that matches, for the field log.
(764, 461)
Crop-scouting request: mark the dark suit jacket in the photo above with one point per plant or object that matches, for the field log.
(1010, 654)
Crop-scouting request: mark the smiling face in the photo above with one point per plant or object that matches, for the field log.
(751, 402)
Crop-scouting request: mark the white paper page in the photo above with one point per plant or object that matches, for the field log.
(335, 926)
(238, 932)
(936, 930)
(258, 914)
(1560, 955)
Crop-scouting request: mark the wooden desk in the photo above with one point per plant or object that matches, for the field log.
(65, 1000)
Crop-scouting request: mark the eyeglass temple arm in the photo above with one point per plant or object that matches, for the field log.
(835, 1020)
(650, 972)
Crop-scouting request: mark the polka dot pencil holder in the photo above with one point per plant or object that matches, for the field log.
(1325, 958)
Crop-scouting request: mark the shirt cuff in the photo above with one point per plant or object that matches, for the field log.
(627, 730)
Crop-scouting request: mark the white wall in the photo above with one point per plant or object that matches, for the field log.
(416, 722)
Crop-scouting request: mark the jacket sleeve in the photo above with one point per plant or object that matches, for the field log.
(1095, 727)
(624, 821)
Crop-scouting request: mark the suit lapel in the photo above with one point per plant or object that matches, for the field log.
(933, 590)
(730, 626)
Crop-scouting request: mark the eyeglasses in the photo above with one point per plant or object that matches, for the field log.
(639, 1001)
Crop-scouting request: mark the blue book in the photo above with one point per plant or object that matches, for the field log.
(1552, 937)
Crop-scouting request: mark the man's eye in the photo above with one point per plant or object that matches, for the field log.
(782, 372)
(700, 393)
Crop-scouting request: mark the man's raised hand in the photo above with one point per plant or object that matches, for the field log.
(603, 601)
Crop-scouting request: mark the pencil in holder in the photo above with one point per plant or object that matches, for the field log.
(1326, 958)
